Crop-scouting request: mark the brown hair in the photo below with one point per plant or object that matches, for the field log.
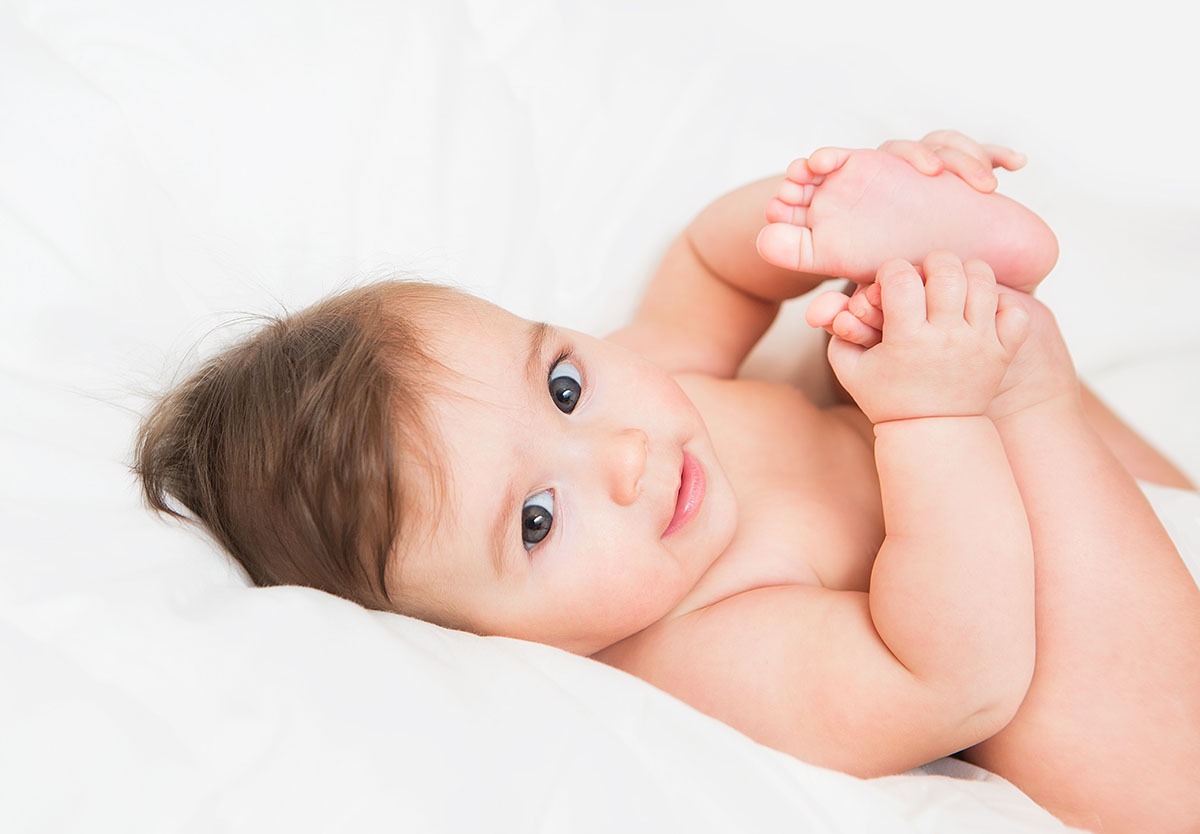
(293, 447)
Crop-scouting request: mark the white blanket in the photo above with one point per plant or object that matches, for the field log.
(165, 168)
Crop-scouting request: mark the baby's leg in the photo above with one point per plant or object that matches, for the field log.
(1108, 737)
(1135, 453)
(844, 213)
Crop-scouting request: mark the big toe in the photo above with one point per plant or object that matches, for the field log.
(787, 246)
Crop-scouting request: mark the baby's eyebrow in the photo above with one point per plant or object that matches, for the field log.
(536, 336)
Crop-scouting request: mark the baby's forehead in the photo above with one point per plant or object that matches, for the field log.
(454, 312)
(465, 324)
(478, 353)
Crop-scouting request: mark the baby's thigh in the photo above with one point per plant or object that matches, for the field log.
(1109, 734)
(1136, 454)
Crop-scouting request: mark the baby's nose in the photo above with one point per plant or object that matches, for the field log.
(624, 461)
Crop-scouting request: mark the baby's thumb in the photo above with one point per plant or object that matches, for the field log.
(844, 357)
(1012, 322)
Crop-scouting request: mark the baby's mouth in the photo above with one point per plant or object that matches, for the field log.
(690, 496)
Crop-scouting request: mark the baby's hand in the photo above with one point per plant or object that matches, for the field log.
(856, 318)
(949, 150)
(946, 343)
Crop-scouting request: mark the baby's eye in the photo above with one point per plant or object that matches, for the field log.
(537, 516)
(566, 385)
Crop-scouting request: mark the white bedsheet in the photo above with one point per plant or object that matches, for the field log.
(164, 169)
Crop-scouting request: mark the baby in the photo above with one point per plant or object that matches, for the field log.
(957, 561)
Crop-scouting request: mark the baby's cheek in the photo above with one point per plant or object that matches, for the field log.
(628, 597)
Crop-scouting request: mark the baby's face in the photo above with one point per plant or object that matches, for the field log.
(583, 496)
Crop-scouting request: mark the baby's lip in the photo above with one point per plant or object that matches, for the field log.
(689, 496)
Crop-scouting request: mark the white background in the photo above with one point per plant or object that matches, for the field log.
(166, 168)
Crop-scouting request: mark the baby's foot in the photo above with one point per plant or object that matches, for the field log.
(843, 213)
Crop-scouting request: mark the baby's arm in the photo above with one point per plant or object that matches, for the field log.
(712, 297)
(956, 533)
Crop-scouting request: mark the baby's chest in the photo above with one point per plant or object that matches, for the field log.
(805, 479)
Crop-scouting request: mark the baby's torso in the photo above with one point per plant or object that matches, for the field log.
(806, 487)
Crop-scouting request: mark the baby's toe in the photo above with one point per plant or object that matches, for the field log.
(799, 171)
(787, 246)
(826, 161)
(780, 212)
(796, 193)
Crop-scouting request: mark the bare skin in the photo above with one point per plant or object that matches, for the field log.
(1112, 695)
(877, 206)
(817, 591)
(1130, 683)
(869, 602)
(807, 514)
(858, 318)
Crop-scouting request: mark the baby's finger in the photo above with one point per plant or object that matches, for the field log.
(1012, 321)
(981, 294)
(959, 141)
(1005, 158)
(973, 170)
(918, 155)
(902, 297)
(847, 326)
(823, 309)
(843, 356)
(945, 289)
(993, 156)
(865, 309)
